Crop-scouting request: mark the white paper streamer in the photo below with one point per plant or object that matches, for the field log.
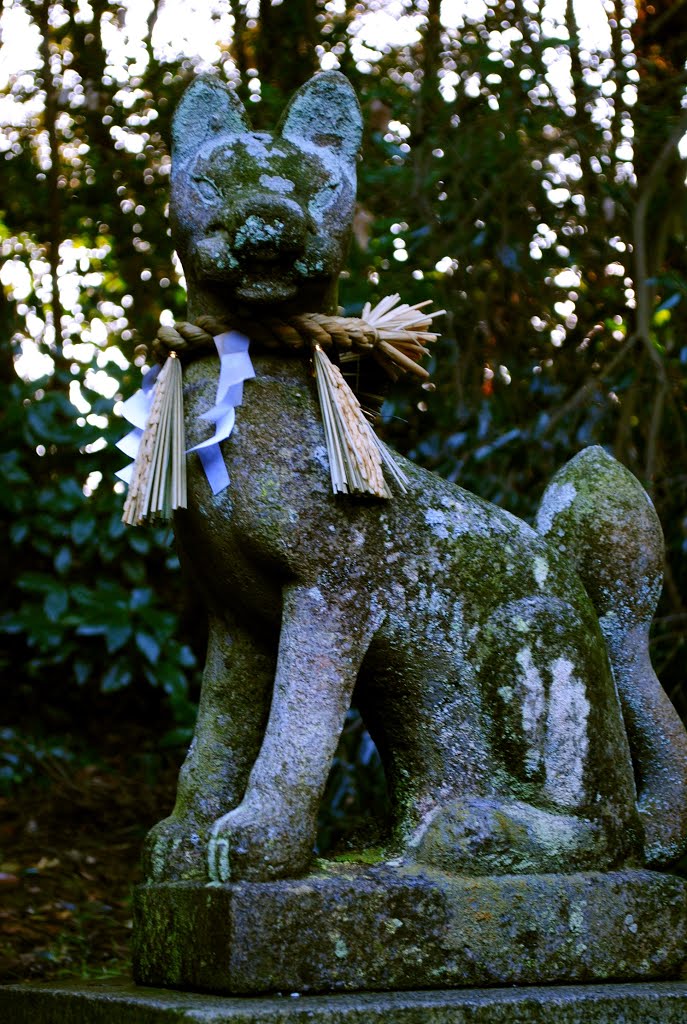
(235, 368)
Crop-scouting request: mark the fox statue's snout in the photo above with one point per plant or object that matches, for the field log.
(268, 228)
(263, 237)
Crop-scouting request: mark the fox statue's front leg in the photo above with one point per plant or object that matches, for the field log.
(324, 637)
(234, 704)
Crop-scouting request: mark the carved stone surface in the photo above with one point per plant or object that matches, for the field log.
(259, 219)
(502, 670)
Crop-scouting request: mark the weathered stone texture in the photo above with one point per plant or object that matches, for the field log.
(378, 928)
(108, 1003)
(489, 661)
(593, 495)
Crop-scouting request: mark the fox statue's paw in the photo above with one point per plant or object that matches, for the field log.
(254, 844)
(174, 851)
(480, 836)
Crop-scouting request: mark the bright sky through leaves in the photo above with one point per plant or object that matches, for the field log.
(196, 28)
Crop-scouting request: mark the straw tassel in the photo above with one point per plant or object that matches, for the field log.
(396, 334)
(158, 483)
(356, 455)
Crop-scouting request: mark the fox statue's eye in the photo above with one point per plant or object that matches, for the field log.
(206, 187)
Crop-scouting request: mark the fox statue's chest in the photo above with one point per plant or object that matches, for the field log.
(279, 494)
(277, 432)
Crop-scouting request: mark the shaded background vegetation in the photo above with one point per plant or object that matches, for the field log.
(521, 167)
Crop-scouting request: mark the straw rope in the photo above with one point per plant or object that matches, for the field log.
(397, 342)
(395, 335)
(355, 461)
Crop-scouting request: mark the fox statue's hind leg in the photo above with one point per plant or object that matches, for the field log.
(560, 796)
(598, 515)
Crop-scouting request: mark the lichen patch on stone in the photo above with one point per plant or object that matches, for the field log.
(531, 686)
(557, 498)
(567, 738)
(255, 229)
(436, 520)
(260, 148)
(540, 570)
(275, 183)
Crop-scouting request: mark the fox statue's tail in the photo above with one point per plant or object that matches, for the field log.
(595, 511)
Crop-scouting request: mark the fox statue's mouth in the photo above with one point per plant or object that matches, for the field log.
(275, 276)
(269, 285)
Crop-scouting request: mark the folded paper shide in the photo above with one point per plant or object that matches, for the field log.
(395, 335)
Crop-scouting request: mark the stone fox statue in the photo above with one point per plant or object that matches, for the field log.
(503, 671)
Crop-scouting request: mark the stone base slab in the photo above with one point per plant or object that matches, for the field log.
(385, 929)
(123, 1003)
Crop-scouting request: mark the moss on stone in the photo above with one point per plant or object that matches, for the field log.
(372, 855)
(357, 926)
(475, 650)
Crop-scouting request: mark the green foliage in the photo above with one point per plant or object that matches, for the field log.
(81, 609)
(20, 758)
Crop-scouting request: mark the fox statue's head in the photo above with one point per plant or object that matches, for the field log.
(264, 218)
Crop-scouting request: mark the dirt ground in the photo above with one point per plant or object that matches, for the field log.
(70, 842)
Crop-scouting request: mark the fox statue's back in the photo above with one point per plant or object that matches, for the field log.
(503, 671)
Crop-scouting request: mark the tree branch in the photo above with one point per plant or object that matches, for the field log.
(590, 385)
(52, 176)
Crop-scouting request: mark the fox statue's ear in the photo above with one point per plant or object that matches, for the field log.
(325, 112)
(208, 108)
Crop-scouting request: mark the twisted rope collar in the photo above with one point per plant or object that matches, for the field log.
(395, 335)
(397, 338)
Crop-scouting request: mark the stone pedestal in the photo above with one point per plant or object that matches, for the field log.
(110, 1003)
(385, 929)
